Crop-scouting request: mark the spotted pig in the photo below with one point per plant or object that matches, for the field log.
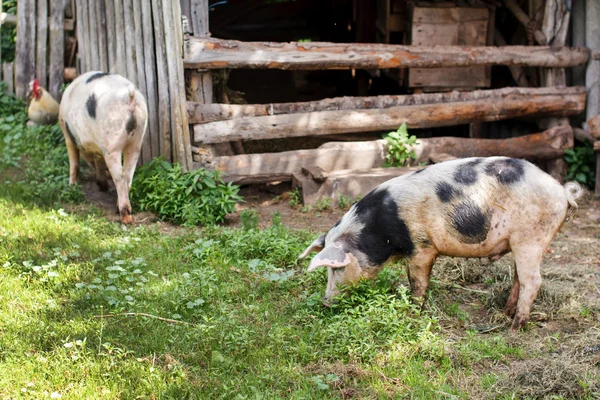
(473, 207)
(103, 118)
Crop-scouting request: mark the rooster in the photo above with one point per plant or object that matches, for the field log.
(43, 109)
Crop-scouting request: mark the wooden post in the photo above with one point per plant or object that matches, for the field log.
(93, 46)
(100, 18)
(25, 54)
(164, 101)
(151, 80)
(57, 49)
(111, 34)
(80, 26)
(84, 42)
(9, 77)
(41, 57)
(524, 19)
(121, 60)
(140, 61)
(130, 49)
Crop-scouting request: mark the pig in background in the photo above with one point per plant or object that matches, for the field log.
(103, 118)
(473, 207)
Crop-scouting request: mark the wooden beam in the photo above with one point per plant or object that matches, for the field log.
(518, 103)
(57, 48)
(257, 168)
(211, 53)
(41, 43)
(25, 52)
(8, 76)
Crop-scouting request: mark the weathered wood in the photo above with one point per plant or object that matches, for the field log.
(164, 102)
(130, 45)
(266, 167)
(151, 78)
(518, 73)
(121, 60)
(25, 54)
(57, 49)
(94, 45)
(522, 102)
(8, 76)
(199, 15)
(523, 18)
(203, 113)
(211, 53)
(582, 135)
(111, 32)
(139, 60)
(84, 42)
(100, 18)
(41, 42)
(348, 183)
(80, 26)
(173, 35)
(546, 145)
(256, 168)
(594, 126)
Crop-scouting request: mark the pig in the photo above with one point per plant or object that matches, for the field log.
(472, 207)
(103, 118)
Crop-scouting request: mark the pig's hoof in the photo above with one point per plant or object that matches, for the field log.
(127, 219)
(518, 323)
(510, 311)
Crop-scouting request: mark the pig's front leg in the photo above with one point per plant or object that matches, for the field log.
(418, 270)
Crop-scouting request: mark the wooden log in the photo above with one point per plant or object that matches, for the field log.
(8, 76)
(211, 53)
(522, 102)
(203, 113)
(25, 52)
(41, 42)
(523, 18)
(349, 183)
(57, 49)
(164, 102)
(111, 35)
(180, 130)
(582, 135)
(257, 168)
(100, 19)
(151, 79)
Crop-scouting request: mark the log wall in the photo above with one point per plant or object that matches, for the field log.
(141, 40)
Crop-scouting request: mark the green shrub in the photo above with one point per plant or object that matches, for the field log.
(581, 164)
(399, 152)
(193, 198)
(8, 33)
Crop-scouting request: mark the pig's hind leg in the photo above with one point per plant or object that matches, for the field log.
(418, 270)
(528, 259)
(513, 297)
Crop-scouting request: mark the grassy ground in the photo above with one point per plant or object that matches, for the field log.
(90, 309)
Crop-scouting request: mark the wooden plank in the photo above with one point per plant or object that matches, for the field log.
(130, 47)
(164, 102)
(203, 113)
(120, 33)
(100, 18)
(8, 76)
(84, 42)
(199, 17)
(179, 127)
(139, 60)
(256, 168)
(41, 41)
(349, 183)
(57, 48)
(92, 28)
(449, 27)
(151, 79)
(111, 34)
(211, 53)
(25, 52)
(566, 101)
(79, 27)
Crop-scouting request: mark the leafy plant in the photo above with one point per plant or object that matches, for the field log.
(8, 33)
(249, 219)
(323, 204)
(345, 202)
(295, 198)
(581, 165)
(399, 147)
(192, 198)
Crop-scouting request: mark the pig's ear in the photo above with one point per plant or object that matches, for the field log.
(315, 246)
(332, 256)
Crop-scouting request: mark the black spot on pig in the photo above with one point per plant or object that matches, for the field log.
(507, 170)
(131, 123)
(97, 75)
(70, 133)
(446, 192)
(384, 233)
(91, 105)
(470, 222)
(467, 173)
(419, 171)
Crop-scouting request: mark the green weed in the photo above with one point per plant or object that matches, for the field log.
(399, 147)
(295, 198)
(581, 165)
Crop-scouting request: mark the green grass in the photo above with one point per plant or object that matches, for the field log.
(217, 312)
